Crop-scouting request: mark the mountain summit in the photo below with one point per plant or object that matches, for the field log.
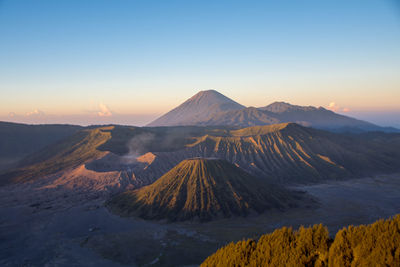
(199, 107)
(202, 188)
(210, 108)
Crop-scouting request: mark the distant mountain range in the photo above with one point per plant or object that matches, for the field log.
(285, 153)
(253, 139)
(211, 108)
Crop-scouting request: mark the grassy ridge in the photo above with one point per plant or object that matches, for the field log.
(376, 244)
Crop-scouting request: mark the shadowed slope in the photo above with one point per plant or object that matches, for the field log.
(68, 153)
(18, 140)
(196, 109)
(203, 188)
(316, 117)
(280, 112)
(244, 117)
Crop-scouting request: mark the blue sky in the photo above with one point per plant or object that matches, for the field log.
(129, 61)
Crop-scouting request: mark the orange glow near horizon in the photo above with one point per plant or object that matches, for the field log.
(145, 108)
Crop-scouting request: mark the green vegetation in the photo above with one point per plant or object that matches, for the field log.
(377, 244)
(203, 188)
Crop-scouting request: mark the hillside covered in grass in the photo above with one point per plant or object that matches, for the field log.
(377, 244)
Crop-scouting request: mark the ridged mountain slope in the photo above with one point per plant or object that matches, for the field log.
(284, 153)
(203, 188)
(290, 153)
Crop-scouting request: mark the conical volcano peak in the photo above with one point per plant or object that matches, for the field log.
(208, 92)
(202, 188)
(211, 108)
(211, 95)
(199, 107)
(210, 98)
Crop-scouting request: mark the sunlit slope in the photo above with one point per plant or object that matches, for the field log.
(376, 244)
(289, 152)
(203, 188)
(90, 144)
(68, 153)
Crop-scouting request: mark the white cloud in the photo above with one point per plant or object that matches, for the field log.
(35, 113)
(336, 108)
(11, 114)
(333, 107)
(104, 111)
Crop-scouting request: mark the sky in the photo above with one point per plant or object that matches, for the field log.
(127, 62)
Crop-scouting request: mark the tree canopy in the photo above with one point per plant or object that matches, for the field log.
(377, 244)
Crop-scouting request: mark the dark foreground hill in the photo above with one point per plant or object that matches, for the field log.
(204, 189)
(376, 244)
